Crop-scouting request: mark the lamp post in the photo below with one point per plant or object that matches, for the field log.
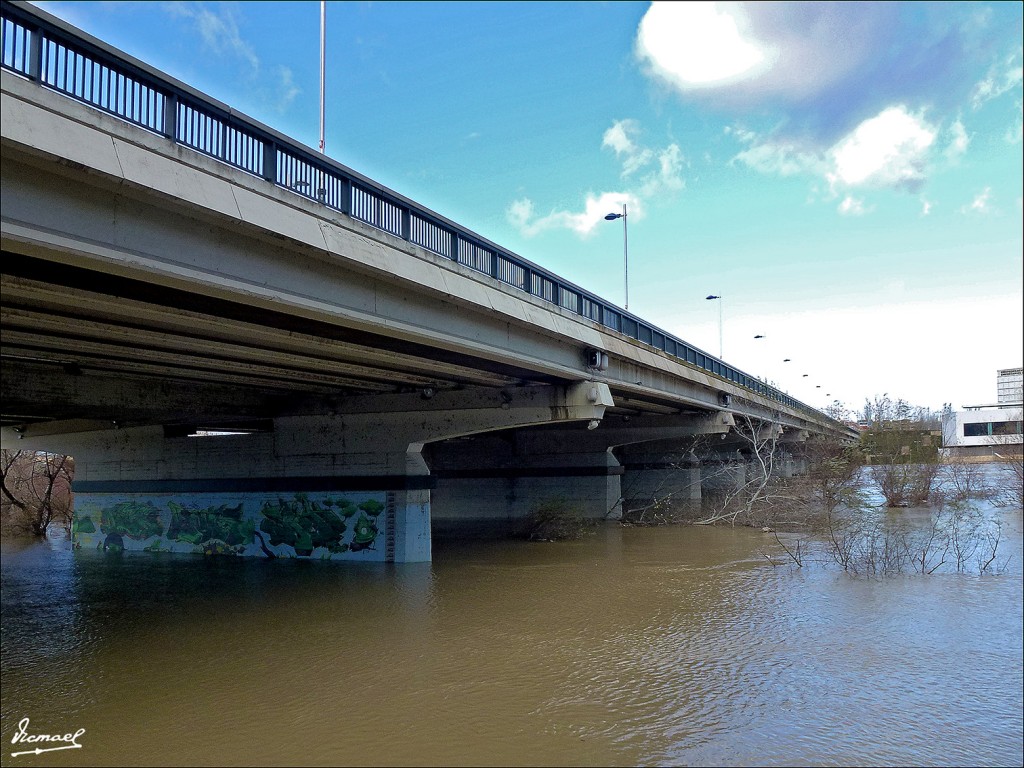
(625, 250)
(323, 55)
(719, 298)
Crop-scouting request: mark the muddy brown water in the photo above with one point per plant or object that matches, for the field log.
(635, 646)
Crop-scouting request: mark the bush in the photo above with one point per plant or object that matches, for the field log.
(556, 520)
(905, 485)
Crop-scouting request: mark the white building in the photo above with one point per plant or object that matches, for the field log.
(983, 430)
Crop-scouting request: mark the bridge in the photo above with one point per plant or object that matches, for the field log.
(249, 347)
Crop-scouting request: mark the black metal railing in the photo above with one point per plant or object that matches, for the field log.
(56, 55)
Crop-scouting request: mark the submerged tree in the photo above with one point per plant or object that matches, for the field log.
(36, 490)
(759, 485)
(902, 450)
(1008, 449)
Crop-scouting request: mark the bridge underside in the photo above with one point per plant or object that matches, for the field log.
(79, 345)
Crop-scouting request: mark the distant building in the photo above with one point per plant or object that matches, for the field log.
(988, 430)
(1010, 385)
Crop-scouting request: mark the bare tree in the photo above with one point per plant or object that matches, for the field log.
(657, 497)
(838, 411)
(964, 479)
(36, 490)
(1012, 465)
(760, 440)
(1008, 449)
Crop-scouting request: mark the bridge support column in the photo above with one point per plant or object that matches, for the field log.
(786, 464)
(493, 484)
(738, 471)
(657, 476)
(723, 473)
(668, 471)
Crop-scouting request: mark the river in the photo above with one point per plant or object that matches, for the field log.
(676, 645)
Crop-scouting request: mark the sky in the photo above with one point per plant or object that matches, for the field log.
(847, 177)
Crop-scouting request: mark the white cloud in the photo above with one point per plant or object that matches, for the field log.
(618, 138)
(888, 150)
(652, 173)
(821, 67)
(522, 215)
(891, 149)
(783, 159)
(751, 51)
(742, 134)
(926, 207)
(219, 30)
(981, 204)
(700, 45)
(221, 35)
(288, 89)
(1015, 134)
(1000, 79)
(667, 177)
(852, 206)
(959, 141)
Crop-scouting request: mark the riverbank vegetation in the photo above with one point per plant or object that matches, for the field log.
(557, 520)
(885, 506)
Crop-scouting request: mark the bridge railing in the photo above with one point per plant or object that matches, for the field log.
(58, 56)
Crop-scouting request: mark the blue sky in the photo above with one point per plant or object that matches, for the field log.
(848, 177)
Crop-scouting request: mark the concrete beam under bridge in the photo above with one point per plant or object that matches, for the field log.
(295, 486)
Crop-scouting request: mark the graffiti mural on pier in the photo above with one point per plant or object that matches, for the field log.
(312, 525)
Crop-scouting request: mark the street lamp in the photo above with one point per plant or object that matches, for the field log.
(323, 53)
(625, 250)
(712, 298)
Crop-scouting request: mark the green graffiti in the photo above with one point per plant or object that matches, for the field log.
(135, 519)
(221, 523)
(214, 547)
(346, 508)
(372, 507)
(303, 524)
(365, 533)
(82, 524)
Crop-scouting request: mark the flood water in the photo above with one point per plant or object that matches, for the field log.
(675, 645)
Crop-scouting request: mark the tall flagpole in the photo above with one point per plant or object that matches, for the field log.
(323, 40)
